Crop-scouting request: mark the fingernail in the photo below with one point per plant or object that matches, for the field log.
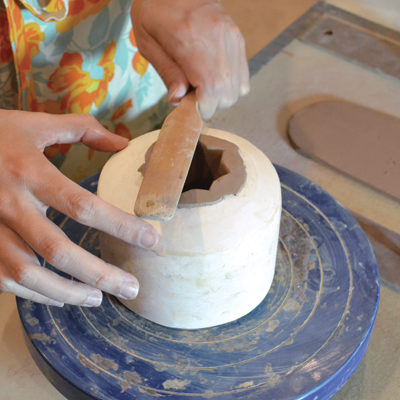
(244, 89)
(176, 93)
(147, 238)
(94, 299)
(56, 303)
(129, 290)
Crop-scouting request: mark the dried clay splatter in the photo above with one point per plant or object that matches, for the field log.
(176, 384)
(104, 363)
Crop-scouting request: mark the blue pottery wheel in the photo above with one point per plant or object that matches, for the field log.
(303, 341)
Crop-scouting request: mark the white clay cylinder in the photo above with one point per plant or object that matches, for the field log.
(215, 261)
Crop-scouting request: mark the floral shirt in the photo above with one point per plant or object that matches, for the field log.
(78, 56)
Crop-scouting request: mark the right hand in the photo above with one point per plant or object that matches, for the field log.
(29, 183)
(193, 43)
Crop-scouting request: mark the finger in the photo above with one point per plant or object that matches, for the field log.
(10, 286)
(207, 103)
(232, 58)
(71, 199)
(88, 209)
(204, 75)
(228, 61)
(177, 91)
(172, 75)
(54, 246)
(234, 50)
(71, 128)
(244, 70)
(194, 57)
(208, 88)
(86, 129)
(23, 276)
(43, 286)
(203, 70)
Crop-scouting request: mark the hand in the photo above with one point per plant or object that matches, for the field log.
(28, 184)
(193, 43)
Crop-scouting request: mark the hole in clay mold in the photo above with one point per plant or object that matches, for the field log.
(206, 167)
(217, 170)
(328, 33)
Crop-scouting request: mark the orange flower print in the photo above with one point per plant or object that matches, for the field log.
(132, 38)
(26, 38)
(14, 14)
(49, 9)
(78, 11)
(55, 149)
(28, 47)
(5, 45)
(121, 110)
(139, 63)
(54, 6)
(123, 131)
(79, 90)
(49, 106)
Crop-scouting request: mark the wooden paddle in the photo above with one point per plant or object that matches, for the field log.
(169, 163)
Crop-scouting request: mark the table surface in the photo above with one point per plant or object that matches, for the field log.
(294, 78)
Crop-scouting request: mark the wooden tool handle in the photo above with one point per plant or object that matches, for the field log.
(170, 160)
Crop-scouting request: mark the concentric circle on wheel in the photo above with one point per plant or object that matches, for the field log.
(304, 340)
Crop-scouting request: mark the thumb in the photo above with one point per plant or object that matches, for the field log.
(73, 128)
(103, 140)
(170, 72)
(97, 137)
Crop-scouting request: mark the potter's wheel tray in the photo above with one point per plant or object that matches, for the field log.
(303, 341)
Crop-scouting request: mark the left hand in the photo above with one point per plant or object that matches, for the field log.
(193, 43)
(29, 183)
